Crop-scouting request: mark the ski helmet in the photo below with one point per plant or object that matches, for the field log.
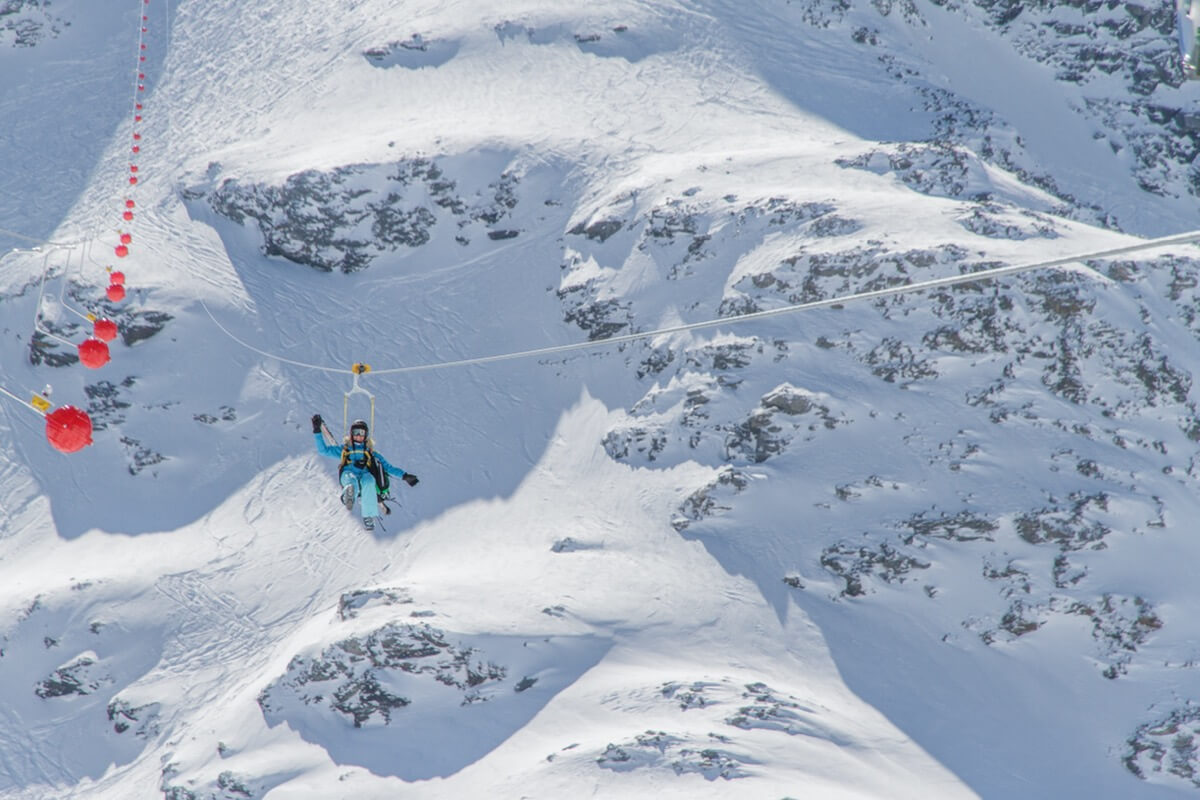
(358, 425)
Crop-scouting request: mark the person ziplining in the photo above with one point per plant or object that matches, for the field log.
(363, 473)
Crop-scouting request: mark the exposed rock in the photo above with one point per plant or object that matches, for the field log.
(964, 526)
(225, 414)
(143, 719)
(769, 429)
(416, 52)
(356, 673)
(1168, 748)
(1072, 527)
(710, 499)
(104, 404)
(140, 456)
(768, 710)
(600, 319)
(661, 749)
(345, 218)
(81, 675)
(688, 696)
(1119, 625)
(599, 231)
(852, 564)
(353, 602)
(137, 326)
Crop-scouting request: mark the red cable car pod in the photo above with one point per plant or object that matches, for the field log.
(115, 292)
(126, 238)
(116, 277)
(104, 329)
(121, 251)
(68, 429)
(93, 353)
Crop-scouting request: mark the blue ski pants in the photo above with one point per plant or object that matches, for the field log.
(367, 493)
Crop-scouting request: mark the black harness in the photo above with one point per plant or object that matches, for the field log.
(365, 459)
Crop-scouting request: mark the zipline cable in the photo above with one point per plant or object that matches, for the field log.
(261, 352)
(20, 400)
(969, 277)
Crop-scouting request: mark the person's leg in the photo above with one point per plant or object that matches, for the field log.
(349, 488)
(369, 495)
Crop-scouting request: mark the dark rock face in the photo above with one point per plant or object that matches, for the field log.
(345, 218)
(82, 675)
(415, 52)
(354, 676)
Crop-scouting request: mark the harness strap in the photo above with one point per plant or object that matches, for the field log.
(368, 455)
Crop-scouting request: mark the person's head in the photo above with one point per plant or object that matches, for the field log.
(358, 431)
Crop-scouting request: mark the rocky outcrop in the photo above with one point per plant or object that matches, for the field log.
(346, 218)
(356, 677)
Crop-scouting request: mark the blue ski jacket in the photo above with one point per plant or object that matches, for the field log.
(356, 457)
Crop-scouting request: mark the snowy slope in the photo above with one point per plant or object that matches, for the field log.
(931, 546)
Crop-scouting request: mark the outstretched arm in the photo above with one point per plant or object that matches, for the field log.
(387, 465)
(404, 475)
(322, 447)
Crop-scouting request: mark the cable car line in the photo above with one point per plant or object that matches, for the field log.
(970, 277)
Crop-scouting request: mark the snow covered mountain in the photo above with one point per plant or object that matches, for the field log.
(937, 545)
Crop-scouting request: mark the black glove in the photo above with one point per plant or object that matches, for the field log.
(317, 423)
(410, 479)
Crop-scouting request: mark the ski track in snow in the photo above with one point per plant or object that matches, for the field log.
(206, 612)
